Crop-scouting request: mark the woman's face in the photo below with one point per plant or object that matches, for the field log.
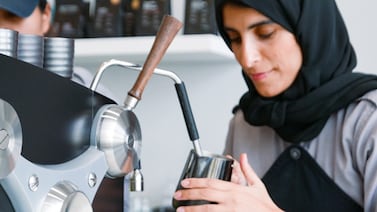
(269, 54)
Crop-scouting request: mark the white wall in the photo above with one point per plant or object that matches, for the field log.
(213, 90)
(360, 17)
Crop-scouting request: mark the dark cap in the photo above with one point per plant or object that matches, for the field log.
(21, 8)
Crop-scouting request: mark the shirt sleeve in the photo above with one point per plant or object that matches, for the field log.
(228, 150)
(365, 151)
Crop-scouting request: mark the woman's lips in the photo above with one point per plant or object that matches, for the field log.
(260, 76)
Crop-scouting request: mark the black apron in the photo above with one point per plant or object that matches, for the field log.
(297, 183)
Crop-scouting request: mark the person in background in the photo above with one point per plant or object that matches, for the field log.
(307, 124)
(34, 17)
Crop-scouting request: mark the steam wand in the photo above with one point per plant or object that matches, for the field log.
(181, 91)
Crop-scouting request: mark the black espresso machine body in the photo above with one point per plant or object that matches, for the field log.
(48, 161)
(55, 112)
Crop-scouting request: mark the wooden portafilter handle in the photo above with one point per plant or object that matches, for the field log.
(168, 29)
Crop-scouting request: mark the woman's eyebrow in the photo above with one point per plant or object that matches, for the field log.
(259, 23)
(264, 22)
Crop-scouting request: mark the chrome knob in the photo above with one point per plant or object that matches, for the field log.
(64, 196)
(10, 138)
(116, 132)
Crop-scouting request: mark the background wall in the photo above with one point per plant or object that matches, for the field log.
(213, 89)
(360, 18)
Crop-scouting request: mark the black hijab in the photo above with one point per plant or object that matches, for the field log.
(325, 82)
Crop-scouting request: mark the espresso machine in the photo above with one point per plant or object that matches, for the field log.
(59, 140)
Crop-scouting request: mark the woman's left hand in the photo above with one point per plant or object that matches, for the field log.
(229, 196)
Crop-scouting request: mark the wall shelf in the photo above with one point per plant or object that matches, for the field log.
(184, 49)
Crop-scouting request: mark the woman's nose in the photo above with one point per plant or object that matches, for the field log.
(249, 54)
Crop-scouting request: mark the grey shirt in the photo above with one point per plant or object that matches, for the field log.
(344, 148)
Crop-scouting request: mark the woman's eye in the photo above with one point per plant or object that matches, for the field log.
(265, 31)
(235, 39)
(266, 34)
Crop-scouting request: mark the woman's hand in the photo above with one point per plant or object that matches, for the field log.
(230, 196)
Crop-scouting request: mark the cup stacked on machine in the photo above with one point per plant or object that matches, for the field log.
(30, 49)
(59, 55)
(8, 42)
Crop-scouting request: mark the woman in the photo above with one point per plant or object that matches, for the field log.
(307, 123)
